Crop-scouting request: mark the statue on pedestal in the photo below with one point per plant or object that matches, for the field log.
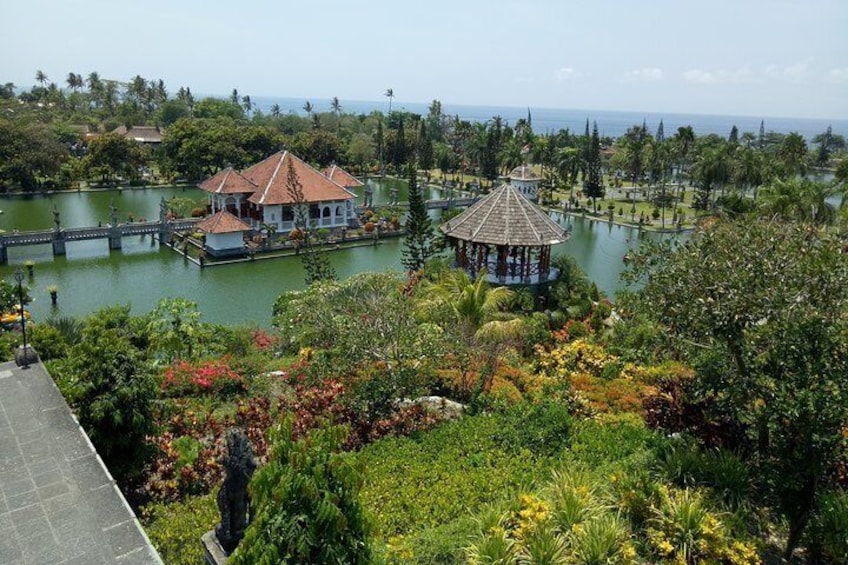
(233, 499)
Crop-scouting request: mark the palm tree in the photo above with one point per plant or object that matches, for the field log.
(337, 110)
(567, 166)
(275, 110)
(307, 107)
(749, 169)
(247, 103)
(472, 302)
(40, 77)
(95, 89)
(390, 93)
(800, 199)
(472, 306)
(793, 154)
(74, 81)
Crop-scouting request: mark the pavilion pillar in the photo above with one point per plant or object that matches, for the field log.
(503, 251)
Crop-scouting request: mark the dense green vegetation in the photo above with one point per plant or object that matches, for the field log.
(703, 422)
(58, 139)
(701, 418)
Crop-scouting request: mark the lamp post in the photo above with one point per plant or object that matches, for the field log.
(19, 276)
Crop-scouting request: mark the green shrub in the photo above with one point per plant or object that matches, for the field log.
(175, 529)
(828, 532)
(430, 479)
(9, 341)
(305, 503)
(48, 342)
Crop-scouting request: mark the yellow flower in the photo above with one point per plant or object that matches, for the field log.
(665, 548)
(628, 551)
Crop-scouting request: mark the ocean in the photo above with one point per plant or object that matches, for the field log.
(546, 120)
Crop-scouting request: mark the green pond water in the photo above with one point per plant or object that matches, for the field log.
(140, 274)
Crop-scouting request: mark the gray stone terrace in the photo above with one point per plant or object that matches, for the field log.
(58, 503)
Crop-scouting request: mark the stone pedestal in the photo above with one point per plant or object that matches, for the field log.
(26, 356)
(59, 244)
(212, 551)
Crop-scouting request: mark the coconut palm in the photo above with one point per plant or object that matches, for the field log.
(793, 155)
(390, 93)
(799, 199)
(275, 110)
(307, 107)
(748, 169)
(40, 77)
(336, 106)
(74, 81)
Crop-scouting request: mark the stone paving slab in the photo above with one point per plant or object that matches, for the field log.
(58, 503)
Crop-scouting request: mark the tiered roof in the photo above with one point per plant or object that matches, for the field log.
(266, 182)
(222, 222)
(505, 217)
(228, 181)
(341, 177)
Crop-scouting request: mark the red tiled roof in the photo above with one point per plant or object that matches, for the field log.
(222, 222)
(341, 177)
(227, 181)
(270, 176)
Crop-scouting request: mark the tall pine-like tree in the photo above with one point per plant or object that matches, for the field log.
(418, 243)
(315, 261)
(594, 185)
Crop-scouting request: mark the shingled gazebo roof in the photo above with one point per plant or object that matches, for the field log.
(505, 217)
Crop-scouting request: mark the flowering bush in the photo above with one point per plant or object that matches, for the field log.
(214, 377)
(578, 356)
(263, 341)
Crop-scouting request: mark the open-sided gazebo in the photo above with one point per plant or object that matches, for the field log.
(507, 235)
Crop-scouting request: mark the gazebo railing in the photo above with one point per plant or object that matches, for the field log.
(530, 274)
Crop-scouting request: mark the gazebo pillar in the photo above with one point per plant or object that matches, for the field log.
(503, 252)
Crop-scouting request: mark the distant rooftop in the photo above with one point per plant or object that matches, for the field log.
(524, 172)
(58, 503)
(141, 134)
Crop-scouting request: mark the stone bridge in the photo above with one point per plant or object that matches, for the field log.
(114, 231)
(440, 204)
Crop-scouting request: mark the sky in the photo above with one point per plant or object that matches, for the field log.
(781, 58)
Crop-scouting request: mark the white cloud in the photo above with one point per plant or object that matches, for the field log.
(566, 73)
(795, 72)
(644, 74)
(839, 76)
(700, 76)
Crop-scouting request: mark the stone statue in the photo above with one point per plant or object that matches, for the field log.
(233, 499)
(56, 224)
(113, 214)
(369, 196)
(163, 210)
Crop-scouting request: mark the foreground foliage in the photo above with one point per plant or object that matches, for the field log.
(760, 311)
(305, 503)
